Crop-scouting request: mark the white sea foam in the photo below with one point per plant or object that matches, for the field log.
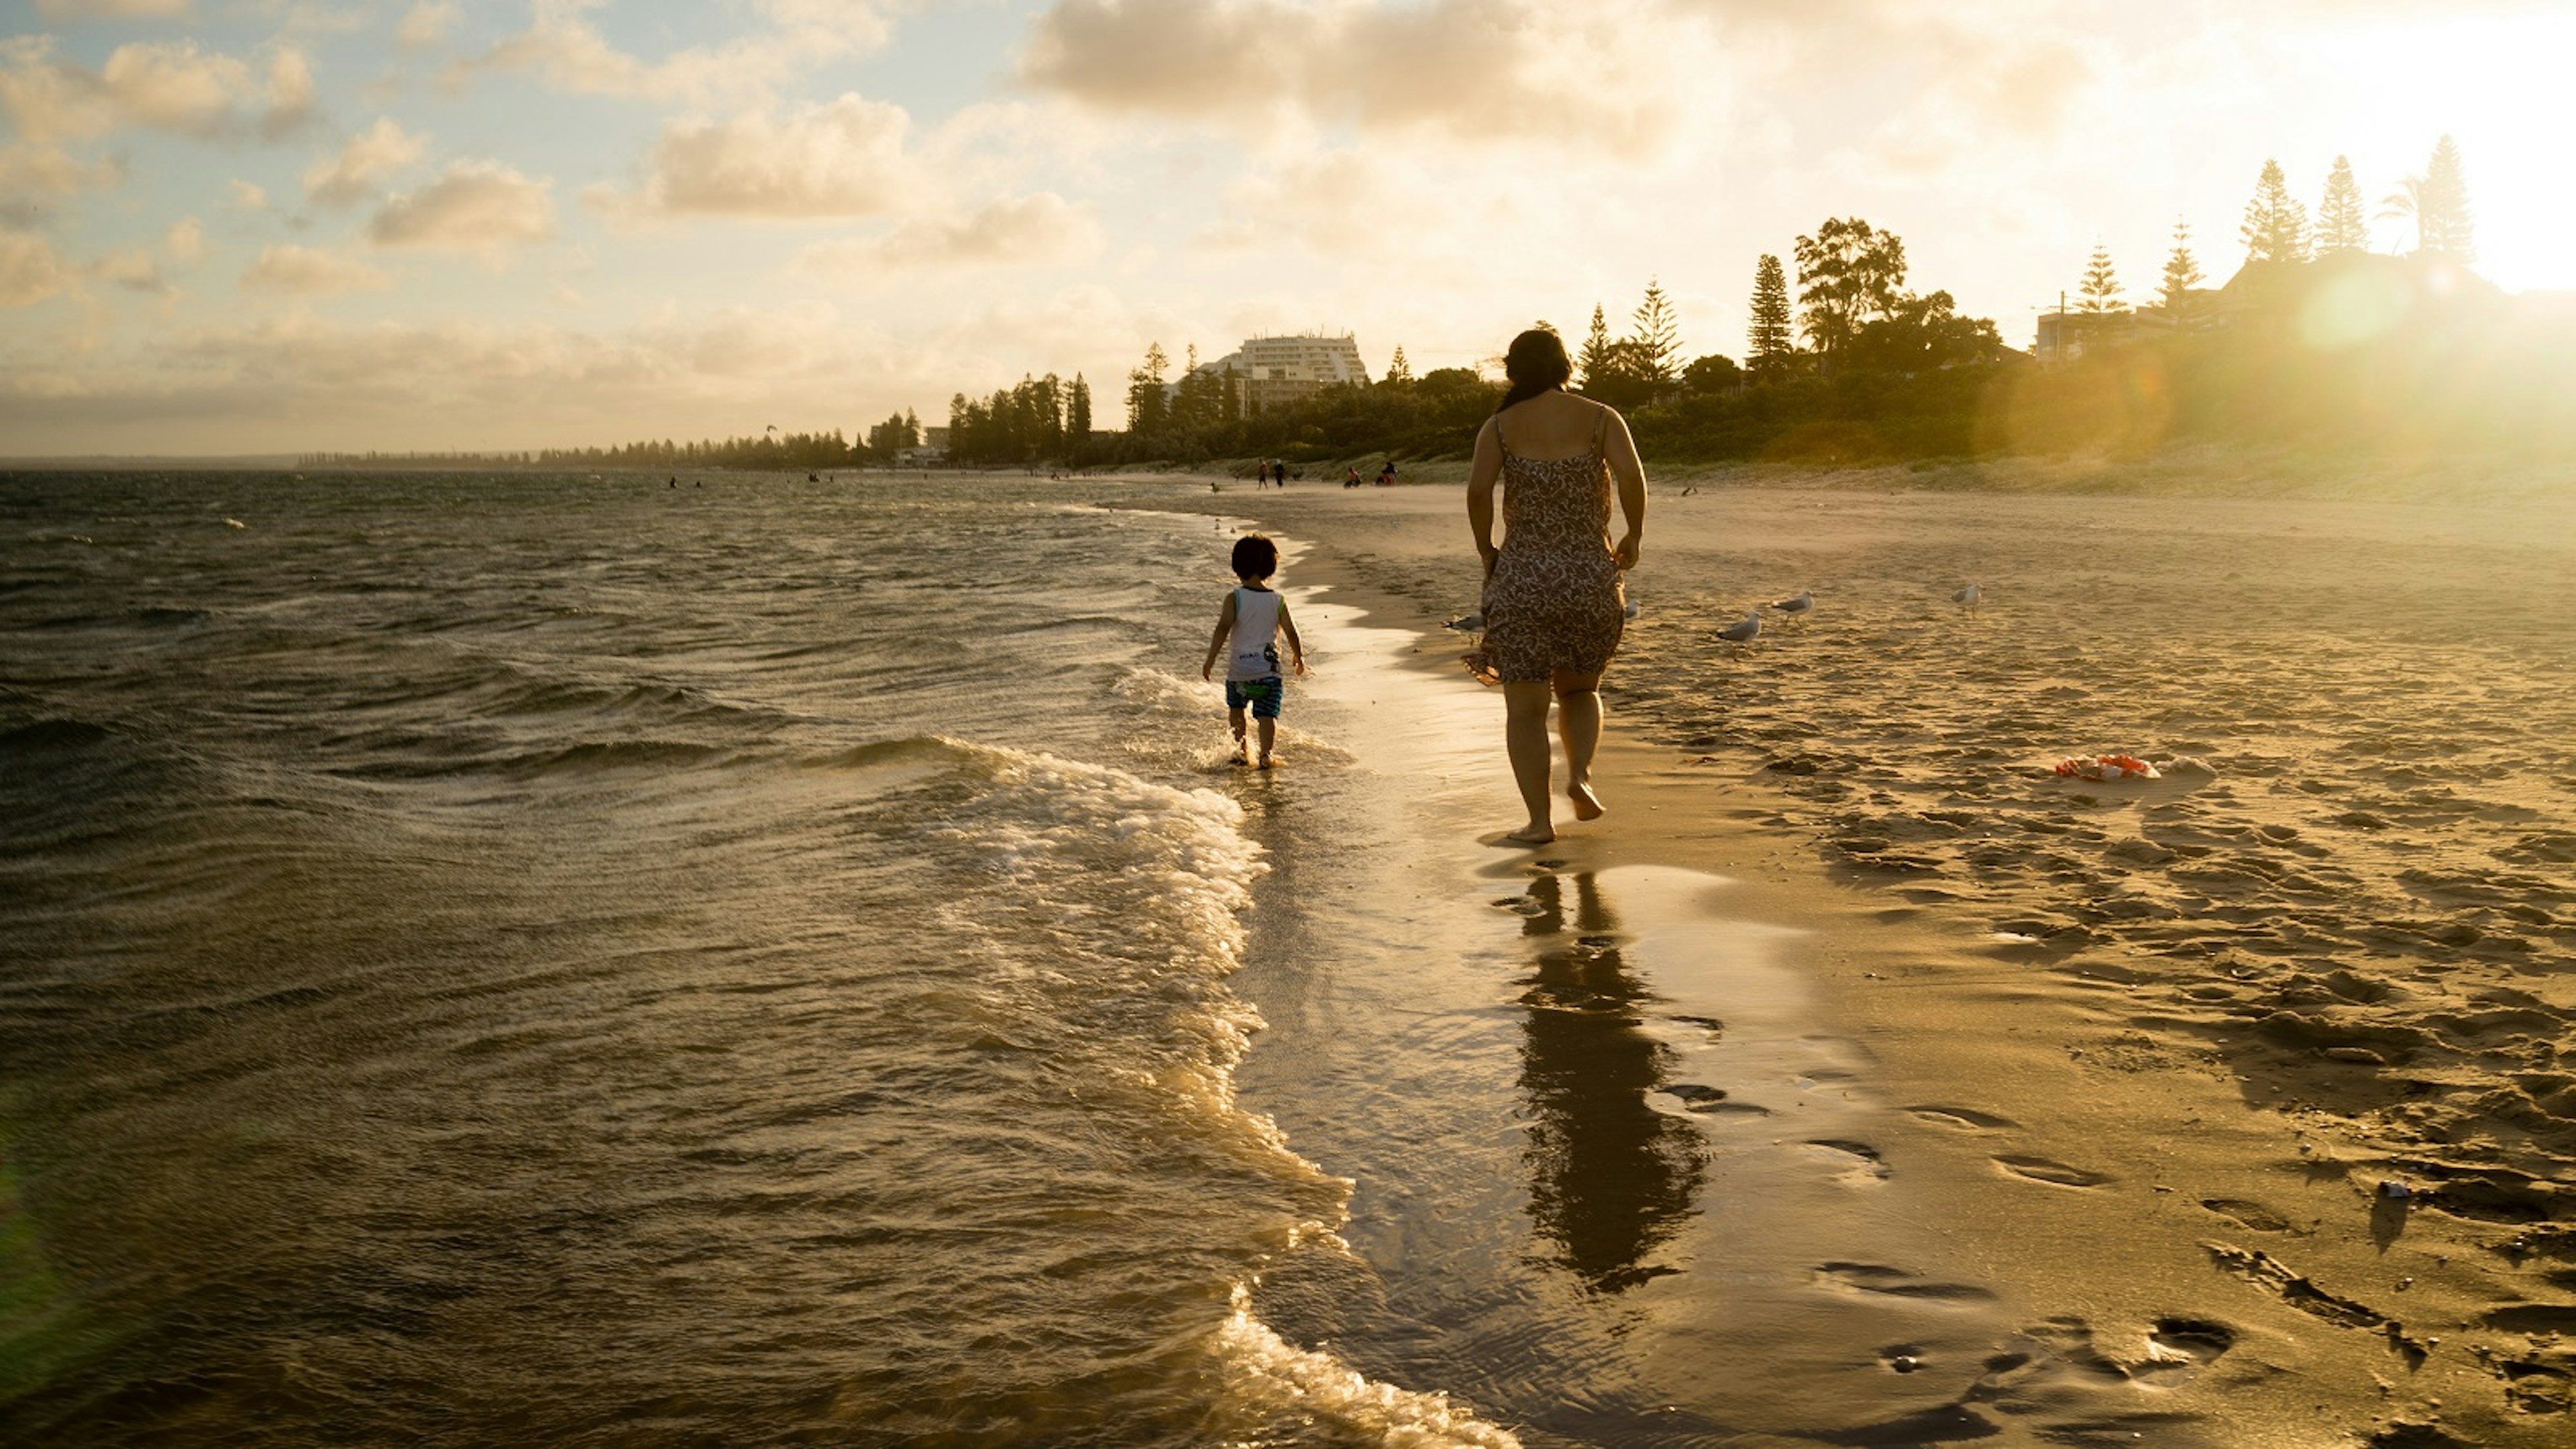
(1273, 1378)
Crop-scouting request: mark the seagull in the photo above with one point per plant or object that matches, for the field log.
(1797, 606)
(1742, 633)
(1466, 623)
(1967, 597)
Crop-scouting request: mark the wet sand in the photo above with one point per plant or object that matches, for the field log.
(1859, 1081)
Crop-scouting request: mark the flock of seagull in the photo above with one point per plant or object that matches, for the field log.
(1745, 630)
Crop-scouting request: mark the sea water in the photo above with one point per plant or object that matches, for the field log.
(560, 959)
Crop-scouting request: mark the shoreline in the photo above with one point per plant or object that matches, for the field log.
(2135, 1216)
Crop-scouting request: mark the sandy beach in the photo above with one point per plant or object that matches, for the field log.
(1951, 1099)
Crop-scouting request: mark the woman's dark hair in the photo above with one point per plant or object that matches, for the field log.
(1535, 364)
(1255, 557)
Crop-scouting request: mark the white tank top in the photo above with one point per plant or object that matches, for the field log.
(1256, 624)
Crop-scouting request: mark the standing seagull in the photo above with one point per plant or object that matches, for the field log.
(1967, 598)
(1742, 633)
(1805, 601)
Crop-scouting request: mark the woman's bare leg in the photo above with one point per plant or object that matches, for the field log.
(1525, 737)
(1578, 723)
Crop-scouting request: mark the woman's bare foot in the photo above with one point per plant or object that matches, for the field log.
(1532, 835)
(1587, 806)
(1269, 761)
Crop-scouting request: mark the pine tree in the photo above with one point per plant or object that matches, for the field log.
(2276, 227)
(2442, 216)
(1146, 411)
(1594, 362)
(1397, 369)
(1231, 406)
(2182, 272)
(2340, 224)
(1077, 420)
(2101, 286)
(1657, 355)
(1770, 339)
(911, 428)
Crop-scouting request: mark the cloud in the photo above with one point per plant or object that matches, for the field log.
(29, 270)
(134, 270)
(1596, 73)
(426, 24)
(249, 195)
(1015, 231)
(351, 176)
(186, 242)
(841, 159)
(478, 206)
(306, 272)
(564, 51)
(111, 9)
(167, 86)
(31, 174)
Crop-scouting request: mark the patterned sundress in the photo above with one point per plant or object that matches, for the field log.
(1554, 600)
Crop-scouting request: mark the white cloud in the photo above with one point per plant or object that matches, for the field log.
(30, 172)
(186, 242)
(307, 272)
(168, 86)
(133, 269)
(477, 206)
(1015, 231)
(351, 176)
(564, 51)
(426, 24)
(29, 270)
(1591, 71)
(841, 159)
(111, 9)
(249, 195)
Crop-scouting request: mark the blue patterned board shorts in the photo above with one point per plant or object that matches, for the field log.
(1260, 695)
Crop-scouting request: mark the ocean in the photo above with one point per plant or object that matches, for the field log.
(565, 959)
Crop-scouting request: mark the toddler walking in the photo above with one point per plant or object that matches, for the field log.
(1253, 616)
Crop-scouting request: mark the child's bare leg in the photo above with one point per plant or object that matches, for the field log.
(1269, 732)
(1234, 721)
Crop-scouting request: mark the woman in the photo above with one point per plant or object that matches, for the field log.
(1553, 605)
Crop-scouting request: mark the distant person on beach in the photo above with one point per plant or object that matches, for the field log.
(1553, 604)
(1254, 617)
(1279, 474)
(1351, 478)
(1386, 475)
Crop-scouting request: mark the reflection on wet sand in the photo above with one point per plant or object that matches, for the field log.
(1611, 1178)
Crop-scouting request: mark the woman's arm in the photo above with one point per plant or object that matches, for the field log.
(1480, 489)
(1630, 473)
(1224, 626)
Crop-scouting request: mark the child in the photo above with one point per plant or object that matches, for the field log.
(1254, 615)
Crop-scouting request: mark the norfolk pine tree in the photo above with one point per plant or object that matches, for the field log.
(1658, 341)
(2276, 227)
(2442, 206)
(2182, 271)
(1595, 361)
(1397, 369)
(1771, 337)
(2340, 225)
(2101, 286)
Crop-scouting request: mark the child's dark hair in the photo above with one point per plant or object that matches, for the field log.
(1255, 557)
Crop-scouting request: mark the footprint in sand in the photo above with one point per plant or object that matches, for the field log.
(1896, 1283)
(1860, 1162)
(2197, 1339)
(2247, 1214)
(2056, 1174)
(1711, 1101)
(1963, 1117)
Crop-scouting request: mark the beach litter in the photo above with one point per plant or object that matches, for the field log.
(2107, 767)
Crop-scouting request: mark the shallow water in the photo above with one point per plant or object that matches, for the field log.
(542, 959)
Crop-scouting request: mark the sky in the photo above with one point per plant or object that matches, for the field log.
(261, 226)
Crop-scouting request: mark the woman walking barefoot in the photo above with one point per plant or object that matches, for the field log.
(1553, 604)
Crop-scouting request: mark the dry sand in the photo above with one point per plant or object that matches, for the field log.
(2143, 1054)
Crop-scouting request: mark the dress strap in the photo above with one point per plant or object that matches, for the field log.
(1499, 440)
(1600, 427)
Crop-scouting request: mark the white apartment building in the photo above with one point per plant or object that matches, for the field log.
(1275, 370)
